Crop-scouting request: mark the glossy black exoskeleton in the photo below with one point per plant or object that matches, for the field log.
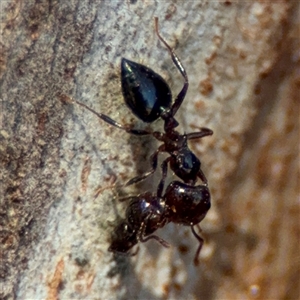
(149, 98)
(188, 205)
(144, 214)
(145, 92)
(181, 204)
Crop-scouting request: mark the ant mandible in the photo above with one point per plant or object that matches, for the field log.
(147, 212)
(149, 97)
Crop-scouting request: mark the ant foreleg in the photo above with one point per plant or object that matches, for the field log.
(141, 234)
(200, 134)
(179, 66)
(201, 241)
(157, 238)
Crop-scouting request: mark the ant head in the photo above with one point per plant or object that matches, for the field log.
(124, 238)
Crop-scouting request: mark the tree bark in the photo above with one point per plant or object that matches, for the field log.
(243, 67)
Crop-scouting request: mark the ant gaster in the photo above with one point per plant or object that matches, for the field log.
(149, 98)
(181, 204)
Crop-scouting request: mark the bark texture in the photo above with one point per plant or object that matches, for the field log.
(242, 59)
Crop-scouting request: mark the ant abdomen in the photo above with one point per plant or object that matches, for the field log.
(145, 92)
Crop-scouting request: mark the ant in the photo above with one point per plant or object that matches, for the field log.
(149, 97)
(147, 212)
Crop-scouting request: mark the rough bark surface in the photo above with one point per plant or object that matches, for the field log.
(242, 59)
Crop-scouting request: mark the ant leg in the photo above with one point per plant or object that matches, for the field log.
(158, 239)
(200, 240)
(164, 170)
(179, 66)
(200, 134)
(126, 253)
(112, 122)
(202, 176)
(197, 135)
(127, 198)
(154, 159)
(141, 233)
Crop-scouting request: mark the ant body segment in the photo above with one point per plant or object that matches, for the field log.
(149, 97)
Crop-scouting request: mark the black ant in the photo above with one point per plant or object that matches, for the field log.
(181, 204)
(149, 98)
